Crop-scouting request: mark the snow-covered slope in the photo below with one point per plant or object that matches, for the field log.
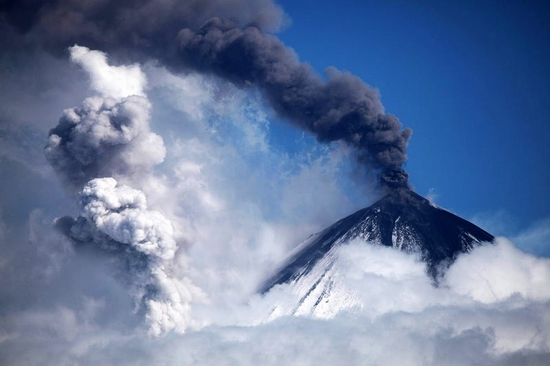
(402, 219)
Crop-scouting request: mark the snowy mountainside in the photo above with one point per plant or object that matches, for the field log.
(402, 219)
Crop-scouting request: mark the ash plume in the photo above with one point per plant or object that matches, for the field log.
(395, 177)
(146, 27)
(101, 138)
(342, 108)
(229, 39)
(109, 134)
(115, 219)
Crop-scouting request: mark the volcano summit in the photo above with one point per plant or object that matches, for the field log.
(401, 219)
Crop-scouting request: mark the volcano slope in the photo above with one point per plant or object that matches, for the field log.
(401, 219)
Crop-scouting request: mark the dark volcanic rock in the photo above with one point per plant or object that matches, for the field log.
(402, 219)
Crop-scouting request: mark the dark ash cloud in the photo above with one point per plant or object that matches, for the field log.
(342, 108)
(109, 135)
(104, 137)
(228, 39)
(148, 26)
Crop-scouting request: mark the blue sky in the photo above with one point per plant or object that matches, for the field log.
(470, 78)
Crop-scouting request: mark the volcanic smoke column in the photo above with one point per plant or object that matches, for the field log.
(115, 219)
(109, 135)
(198, 35)
(342, 108)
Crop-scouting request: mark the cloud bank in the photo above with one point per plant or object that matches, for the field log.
(463, 322)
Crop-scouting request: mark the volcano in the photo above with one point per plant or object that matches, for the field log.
(401, 219)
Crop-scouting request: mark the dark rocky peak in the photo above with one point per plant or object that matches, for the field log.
(401, 219)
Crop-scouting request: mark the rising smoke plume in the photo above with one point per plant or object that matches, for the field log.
(219, 38)
(137, 27)
(109, 135)
(115, 219)
(102, 138)
(342, 108)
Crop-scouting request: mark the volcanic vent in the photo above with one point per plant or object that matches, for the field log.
(401, 219)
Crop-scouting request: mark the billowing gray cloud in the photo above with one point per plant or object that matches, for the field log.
(229, 39)
(115, 219)
(109, 134)
(343, 108)
(102, 138)
(135, 26)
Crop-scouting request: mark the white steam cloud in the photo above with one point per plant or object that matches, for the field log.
(116, 220)
(176, 232)
(496, 294)
(110, 81)
(110, 135)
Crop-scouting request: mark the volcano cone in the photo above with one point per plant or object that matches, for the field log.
(402, 219)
